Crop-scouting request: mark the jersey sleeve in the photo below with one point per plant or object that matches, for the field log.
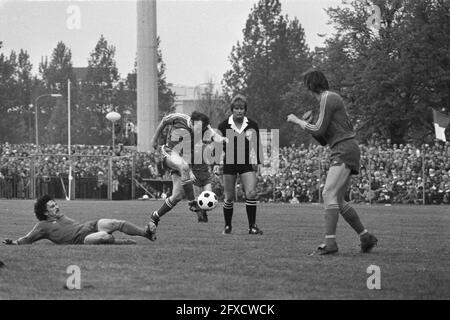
(171, 118)
(326, 112)
(37, 233)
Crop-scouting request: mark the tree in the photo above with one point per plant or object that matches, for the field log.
(53, 112)
(166, 97)
(210, 101)
(15, 90)
(99, 95)
(390, 80)
(272, 55)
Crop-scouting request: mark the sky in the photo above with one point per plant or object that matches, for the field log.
(196, 36)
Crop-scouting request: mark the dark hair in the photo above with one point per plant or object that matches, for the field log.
(198, 116)
(315, 81)
(40, 207)
(238, 97)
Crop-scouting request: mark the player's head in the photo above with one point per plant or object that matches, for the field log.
(238, 101)
(40, 207)
(315, 81)
(239, 107)
(197, 117)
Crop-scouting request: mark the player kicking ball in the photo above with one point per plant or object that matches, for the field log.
(56, 227)
(181, 134)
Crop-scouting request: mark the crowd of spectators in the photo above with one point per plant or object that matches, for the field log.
(390, 173)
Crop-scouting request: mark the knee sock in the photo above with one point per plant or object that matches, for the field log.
(166, 207)
(352, 218)
(331, 219)
(250, 206)
(227, 212)
(131, 230)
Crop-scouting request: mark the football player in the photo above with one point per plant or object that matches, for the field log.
(56, 227)
(177, 155)
(334, 128)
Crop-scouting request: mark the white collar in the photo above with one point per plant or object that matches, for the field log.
(234, 127)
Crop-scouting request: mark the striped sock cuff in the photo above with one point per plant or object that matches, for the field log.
(251, 202)
(330, 236)
(227, 205)
(169, 203)
(332, 207)
(184, 182)
(345, 208)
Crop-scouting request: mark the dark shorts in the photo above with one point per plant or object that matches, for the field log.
(235, 169)
(347, 152)
(88, 228)
(202, 179)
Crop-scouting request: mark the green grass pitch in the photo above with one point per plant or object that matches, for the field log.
(193, 260)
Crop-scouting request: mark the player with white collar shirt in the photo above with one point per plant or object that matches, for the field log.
(241, 155)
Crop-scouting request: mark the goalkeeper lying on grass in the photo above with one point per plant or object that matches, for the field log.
(60, 229)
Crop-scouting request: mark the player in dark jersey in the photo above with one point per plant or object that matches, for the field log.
(334, 127)
(240, 157)
(185, 131)
(56, 227)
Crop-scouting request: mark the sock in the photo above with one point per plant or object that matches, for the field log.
(330, 240)
(227, 212)
(352, 218)
(250, 206)
(166, 207)
(331, 219)
(188, 188)
(131, 230)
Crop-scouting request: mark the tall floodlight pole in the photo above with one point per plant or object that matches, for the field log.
(69, 142)
(147, 74)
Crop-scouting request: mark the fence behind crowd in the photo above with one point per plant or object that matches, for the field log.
(408, 176)
(76, 177)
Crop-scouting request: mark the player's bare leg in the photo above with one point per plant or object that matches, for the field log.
(176, 162)
(336, 180)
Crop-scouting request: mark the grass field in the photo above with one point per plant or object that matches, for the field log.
(195, 261)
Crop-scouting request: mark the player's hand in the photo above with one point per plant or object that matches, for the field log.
(8, 241)
(155, 145)
(221, 139)
(292, 118)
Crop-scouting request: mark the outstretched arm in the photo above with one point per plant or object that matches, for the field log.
(34, 235)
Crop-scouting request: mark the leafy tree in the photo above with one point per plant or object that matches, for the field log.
(166, 97)
(272, 55)
(53, 112)
(98, 94)
(15, 88)
(390, 80)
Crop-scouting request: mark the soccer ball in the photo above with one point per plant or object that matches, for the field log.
(207, 200)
